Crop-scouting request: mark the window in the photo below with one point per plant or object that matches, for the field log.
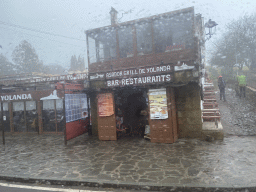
(125, 34)
(173, 32)
(59, 104)
(48, 104)
(75, 106)
(102, 45)
(92, 50)
(18, 106)
(5, 107)
(144, 38)
(30, 105)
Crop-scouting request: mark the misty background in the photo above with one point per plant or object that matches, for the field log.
(55, 28)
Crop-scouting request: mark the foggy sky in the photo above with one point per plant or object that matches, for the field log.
(72, 17)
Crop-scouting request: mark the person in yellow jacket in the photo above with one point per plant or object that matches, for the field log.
(242, 85)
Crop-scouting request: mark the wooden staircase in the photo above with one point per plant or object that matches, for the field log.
(212, 127)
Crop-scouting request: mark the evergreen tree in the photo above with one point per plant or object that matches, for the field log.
(6, 67)
(26, 59)
(77, 64)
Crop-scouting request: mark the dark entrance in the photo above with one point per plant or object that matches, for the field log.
(131, 109)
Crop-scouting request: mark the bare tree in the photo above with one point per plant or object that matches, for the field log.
(237, 47)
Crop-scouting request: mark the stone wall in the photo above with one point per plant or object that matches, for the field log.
(251, 95)
(189, 111)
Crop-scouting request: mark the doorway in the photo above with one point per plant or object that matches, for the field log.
(131, 109)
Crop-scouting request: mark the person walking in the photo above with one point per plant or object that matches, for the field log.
(242, 85)
(236, 84)
(222, 85)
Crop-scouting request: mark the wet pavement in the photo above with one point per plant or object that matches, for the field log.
(189, 162)
(135, 161)
(238, 116)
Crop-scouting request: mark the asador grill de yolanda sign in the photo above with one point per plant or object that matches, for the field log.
(136, 76)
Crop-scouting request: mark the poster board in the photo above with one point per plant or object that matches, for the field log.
(105, 105)
(76, 111)
(76, 107)
(158, 103)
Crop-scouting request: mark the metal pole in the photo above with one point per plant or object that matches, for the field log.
(2, 124)
(89, 115)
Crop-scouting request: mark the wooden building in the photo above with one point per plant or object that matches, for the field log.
(147, 70)
(35, 104)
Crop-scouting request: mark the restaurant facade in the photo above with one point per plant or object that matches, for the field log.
(36, 104)
(145, 74)
(143, 80)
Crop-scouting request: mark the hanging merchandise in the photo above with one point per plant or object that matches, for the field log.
(147, 130)
(158, 104)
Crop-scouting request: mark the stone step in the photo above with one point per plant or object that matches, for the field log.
(209, 92)
(210, 100)
(212, 131)
(210, 97)
(210, 105)
(211, 118)
(208, 110)
(212, 113)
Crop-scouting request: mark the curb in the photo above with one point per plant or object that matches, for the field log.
(129, 186)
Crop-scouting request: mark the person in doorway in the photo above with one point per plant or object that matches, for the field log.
(222, 85)
(242, 85)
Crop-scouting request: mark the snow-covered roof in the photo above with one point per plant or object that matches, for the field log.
(51, 96)
(183, 67)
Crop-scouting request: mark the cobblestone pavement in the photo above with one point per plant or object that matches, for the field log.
(238, 116)
(187, 162)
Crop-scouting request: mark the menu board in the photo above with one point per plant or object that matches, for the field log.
(105, 104)
(158, 104)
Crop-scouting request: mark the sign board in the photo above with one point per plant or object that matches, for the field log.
(76, 112)
(158, 104)
(78, 76)
(136, 81)
(136, 76)
(15, 97)
(31, 95)
(76, 107)
(141, 71)
(105, 105)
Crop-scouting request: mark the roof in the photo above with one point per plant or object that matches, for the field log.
(144, 19)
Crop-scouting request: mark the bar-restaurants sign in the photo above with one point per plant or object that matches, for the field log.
(136, 76)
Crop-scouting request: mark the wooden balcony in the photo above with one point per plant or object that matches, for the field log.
(173, 57)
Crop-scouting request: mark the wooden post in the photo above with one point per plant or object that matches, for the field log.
(55, 113)
(89, 115)
(2, 124)
(25, 115)
(10, 106)
(65, 133)
(40, 119)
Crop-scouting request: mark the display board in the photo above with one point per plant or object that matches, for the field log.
(76, 107)
(76, 111)
(164, 130)
(158, 103)
(105, 105)
(106, 117)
